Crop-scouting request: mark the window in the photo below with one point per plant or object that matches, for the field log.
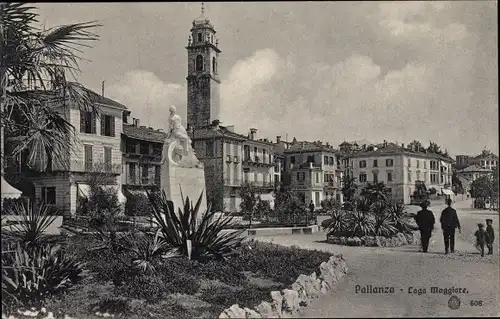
(209, 148)
(362, 178)
(145, 173)
(144, 148)
(434, 178)
(157, 175)
(264, 155)
(301, 176)
(425, 164)
(317, 177)
(87, 122)
(292, 159)
(331, 160)
(418, 163)
(325, 160)
(389, 190)
(49, 195)
(362, 164)
(409, 176)
(214, 65)
(107, 125)
(389, 162)
(199, 62)
(375, 163)
(418, 176)
(157, 149)
(316, 199)
(131, 173)
(246, 152)
(107, 158)
(375, 177)
(200, 37)
(389, 176)
(130, 147)
(409, 162)
(87, 150)
(310, 159)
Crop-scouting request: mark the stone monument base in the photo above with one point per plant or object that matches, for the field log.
(177, 176)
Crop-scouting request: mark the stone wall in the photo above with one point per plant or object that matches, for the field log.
(286, 303)
(377, 241)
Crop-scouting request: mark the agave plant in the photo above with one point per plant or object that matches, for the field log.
(383, 225)
(30, 276)
(190, 235)
(144, 248)
(400, 217)
(33, 223)
(337, 223)
(360, 224)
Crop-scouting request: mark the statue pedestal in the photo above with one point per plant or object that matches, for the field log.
(180, 173)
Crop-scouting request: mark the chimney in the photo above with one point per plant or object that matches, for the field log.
(265, 140)
(364, 146)
(136, 122)
(385, 143)
(403, 145)
(215, 124)
(278, 139)
(253, 133)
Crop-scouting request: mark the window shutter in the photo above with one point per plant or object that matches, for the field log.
(82, 122)
(112, 126)
(93, 122)
(103, 124)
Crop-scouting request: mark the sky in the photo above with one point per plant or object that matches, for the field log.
(329, 71)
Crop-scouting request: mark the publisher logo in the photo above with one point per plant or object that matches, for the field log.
(454, 302)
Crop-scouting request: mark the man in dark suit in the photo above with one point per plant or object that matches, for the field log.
(425, 221)
(449, 222)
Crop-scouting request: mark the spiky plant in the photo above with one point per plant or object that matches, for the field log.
(400, 218)
(145, 247)
(190, 235)
(34, 221)
(338, 223)
(360, 224)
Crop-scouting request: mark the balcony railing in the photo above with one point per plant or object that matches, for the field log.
(331, 184)
(232, 182)
(260, 184)
(86, 167)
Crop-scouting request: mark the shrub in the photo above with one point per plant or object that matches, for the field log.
(432, 191)
(247, 296)
(30, 276)
(149, 287)
(224, 271)
(191, 237)
(138, 205)
(339, 222)
(360, 224)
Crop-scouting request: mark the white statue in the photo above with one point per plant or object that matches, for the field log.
(177, 132)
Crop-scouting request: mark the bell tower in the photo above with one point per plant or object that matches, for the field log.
(203, 92)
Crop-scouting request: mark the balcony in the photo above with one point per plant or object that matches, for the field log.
(331, 184)
(260, 184)
(154, 157)
(232, 182)
(83, 167)
(256, 161)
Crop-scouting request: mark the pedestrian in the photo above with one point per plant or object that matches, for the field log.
(425, 221)
(311, 206)
(449, 222)
(481, 238)
(491, 236)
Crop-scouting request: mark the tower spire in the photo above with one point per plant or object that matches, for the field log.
(202, 8)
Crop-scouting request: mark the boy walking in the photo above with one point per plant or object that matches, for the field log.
(481, 238)
(491, 236)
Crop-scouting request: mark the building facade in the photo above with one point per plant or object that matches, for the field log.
(400, 168)
(231, 160)
(96, 152)
(142, 155)
(314, 171)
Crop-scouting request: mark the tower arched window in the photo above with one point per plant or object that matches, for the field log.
(199, 63)
(214, 65)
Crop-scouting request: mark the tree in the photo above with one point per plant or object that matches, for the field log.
(375, 192)
(33, 84)
(416, 145)
(249, 198)
(349, 187)
(457, 184)
(483, 188)
(434, 148)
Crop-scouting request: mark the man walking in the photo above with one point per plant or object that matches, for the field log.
(425, 221)
(449, 222)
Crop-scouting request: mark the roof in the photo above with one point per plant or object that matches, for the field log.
(393, 148)
(222, 131)
(306, 146)
(144, 133)
(487, 156)
(98, 98)
(474, 168)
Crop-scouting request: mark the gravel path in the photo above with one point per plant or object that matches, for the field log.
(405, 267)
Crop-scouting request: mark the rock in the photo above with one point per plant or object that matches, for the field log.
(402, 239)
(350, 241)
(234, 312)
(223, 315)
(308, 285)
(343, 240)
(371, 241)
(290, 301)
(324, 287)
(357, 241)
(382, 241)
(328, 274)
(416, 238)
(277, 303)
(265, 309)
(249, 313)
(313, 276)
(50, 315)
(409, 238)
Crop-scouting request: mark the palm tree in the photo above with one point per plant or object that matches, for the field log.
(349, 187)
(33, 84)
(375, 192)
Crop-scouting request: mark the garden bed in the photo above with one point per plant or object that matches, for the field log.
(179, 287)
(399, 239)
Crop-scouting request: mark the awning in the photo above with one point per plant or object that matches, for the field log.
(447, 191)
(9, 191)
(84, 190)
